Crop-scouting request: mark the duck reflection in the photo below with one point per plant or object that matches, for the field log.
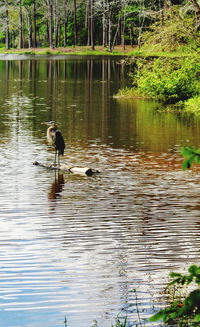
(56, 187)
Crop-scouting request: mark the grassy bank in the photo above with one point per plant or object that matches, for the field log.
(99, 50)
(75, 50)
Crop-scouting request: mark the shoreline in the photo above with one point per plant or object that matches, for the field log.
(32, 56)
(73, 50)
(85, 51)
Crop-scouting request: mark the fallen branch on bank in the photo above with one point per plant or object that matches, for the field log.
(72, 169)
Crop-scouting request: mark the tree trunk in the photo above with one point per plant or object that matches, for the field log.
(88, 15)
(131, 35)
(109, 33)
(92, 25)
(30, 40)
(123, 23)
(115, 36)
(13, 38)
(65, 36)
(75, 24)
(47, 24)
(34, 25)
(196, 7)
(59, 32)
(65, 23)
(104, 24)
(50, 5)
(56, 22)
(107, 21)
(20, 24)
(7, 25)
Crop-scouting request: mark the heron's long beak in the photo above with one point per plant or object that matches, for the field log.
(49, 123)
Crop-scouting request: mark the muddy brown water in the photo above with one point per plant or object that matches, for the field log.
(85, 247)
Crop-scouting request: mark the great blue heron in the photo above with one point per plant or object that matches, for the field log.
(55, 138)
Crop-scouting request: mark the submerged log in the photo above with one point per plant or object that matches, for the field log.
(72, 169)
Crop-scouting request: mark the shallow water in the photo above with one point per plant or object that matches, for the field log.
(87, 248)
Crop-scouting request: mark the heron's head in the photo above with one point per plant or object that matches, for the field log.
(50, 123)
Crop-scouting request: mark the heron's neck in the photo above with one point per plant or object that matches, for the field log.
(51, 134)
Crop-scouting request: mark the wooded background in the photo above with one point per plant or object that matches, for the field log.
(62, 23)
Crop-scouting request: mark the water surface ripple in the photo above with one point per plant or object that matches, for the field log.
(87, 247)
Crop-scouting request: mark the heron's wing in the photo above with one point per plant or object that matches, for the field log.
(59, 142)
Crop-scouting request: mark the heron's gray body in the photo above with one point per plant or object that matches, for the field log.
(55, 138)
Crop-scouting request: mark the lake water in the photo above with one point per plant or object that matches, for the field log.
(88, 248)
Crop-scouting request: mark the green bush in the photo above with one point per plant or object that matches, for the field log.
(192, 105)
(169, 79)
(186, 311)
(48, 52)
(191, 156)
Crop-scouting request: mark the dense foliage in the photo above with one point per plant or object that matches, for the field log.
(27, 23)
(184, 311)
(55, 23)
(169, 79)
(174, 31)
(171, 34)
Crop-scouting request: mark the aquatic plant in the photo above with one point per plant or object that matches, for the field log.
(65, 321)
(126, 93)
(95, 323)
(191, 155)
(120, 322)
(183, 311)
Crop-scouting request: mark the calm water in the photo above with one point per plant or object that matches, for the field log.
(79, 246)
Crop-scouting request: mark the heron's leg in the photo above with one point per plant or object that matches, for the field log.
(58, 160)
(55, 158)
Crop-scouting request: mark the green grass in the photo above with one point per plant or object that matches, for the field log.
(159, 54)
(29, 52)
(129, 93)
(193, 105)
(85, 51)
(60, 52)
(96, 53)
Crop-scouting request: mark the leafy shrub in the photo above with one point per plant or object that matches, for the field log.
(187, 311)
(192, 105)
(169, 79)
(191, 155)
(173, 30)
(126, 93)
(48, 52)
(29, 52)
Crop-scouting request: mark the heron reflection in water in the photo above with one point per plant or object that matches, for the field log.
(55, 138)
(56, 187)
